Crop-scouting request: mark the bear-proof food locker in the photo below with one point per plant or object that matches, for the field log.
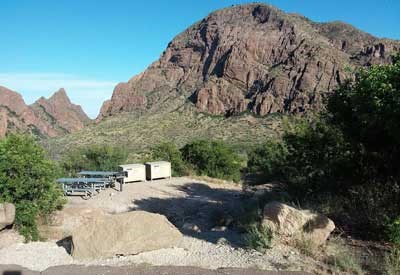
(158, 170)
(134, 172)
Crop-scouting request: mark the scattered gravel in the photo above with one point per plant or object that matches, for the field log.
(36, 256)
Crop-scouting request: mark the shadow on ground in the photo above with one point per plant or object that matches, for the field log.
(202, 212)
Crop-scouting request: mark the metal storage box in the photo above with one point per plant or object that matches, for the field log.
(157, 170)
(134, 172)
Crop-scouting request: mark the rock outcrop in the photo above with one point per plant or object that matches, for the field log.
(250, 58)
(291, 223)
(123, 234)
(7, 214)
(45, 118)
(60, 112)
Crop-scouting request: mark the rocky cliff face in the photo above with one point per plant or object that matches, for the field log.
(51, 117)
(250, 58)
(60, 112)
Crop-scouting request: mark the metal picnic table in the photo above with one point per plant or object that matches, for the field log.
(87, 186)
(113, 176)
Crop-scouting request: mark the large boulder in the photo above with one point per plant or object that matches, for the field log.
(291, 223)
(123, 234)
(7, 214)
(61, 224)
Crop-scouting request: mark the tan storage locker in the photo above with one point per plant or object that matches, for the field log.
(134, 172)
(158, 170)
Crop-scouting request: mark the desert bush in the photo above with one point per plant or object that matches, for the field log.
(96, 158)
(259, 238)
(268, 159)
(213, 159)
(27, 179)
(394, 232)
(169, 152)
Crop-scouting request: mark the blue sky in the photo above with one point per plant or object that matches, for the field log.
(87, 46)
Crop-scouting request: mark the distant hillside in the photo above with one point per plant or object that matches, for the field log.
(252, 58)
(45, 118)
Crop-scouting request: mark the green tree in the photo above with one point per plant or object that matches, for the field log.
(213, 159)
(27, 179)
(95, 157)
(367, 111)
(169, 152)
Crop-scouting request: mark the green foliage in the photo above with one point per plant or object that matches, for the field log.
(268, 159)
(213, 159)
(27, 179)
(95, 157)
(259, 238)
(394, 232)
(169, 152)
(318, 159)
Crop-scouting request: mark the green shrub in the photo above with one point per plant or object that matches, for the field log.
(259, 238)
(96, 158)
(169, 152)
(213, 159)
(27, 179)
(394, 232)
(268, 159)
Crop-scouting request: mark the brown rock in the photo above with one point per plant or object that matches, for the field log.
(7, 214)
(250, 57)
(128, 233)
(61, 113)
(45, 118)
(292, 223)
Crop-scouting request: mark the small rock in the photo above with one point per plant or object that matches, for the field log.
(191, 227)
(219, 229)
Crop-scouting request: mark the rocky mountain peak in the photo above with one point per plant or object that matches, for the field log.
(252, 58)
(46, 117)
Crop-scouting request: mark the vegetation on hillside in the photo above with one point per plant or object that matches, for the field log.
(27, 179)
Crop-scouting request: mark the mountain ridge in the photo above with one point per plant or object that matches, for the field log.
(45, 118)
(251, 57)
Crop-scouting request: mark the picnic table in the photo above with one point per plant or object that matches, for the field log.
(113, 176)
(86, 186)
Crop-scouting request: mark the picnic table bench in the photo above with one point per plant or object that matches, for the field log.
(86, 186)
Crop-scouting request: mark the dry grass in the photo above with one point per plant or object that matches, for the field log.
(392, 261)
(342, 259)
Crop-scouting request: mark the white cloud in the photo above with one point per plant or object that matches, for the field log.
(90, 93)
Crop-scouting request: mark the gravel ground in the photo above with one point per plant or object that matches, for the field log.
(35, 255)
(198, 253)
(183, 201)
